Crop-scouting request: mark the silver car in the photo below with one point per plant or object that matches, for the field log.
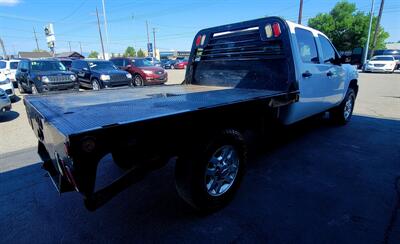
(5, 103)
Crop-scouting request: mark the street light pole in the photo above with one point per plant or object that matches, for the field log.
(371, 14)
(105, 26)
(101, 37)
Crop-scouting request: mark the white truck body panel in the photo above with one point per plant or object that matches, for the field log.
(319, 91)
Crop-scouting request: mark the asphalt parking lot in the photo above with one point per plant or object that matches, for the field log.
(316, 183)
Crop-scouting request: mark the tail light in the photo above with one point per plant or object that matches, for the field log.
(277, 29)
(203, 38)
(198, 40)
(268, 31)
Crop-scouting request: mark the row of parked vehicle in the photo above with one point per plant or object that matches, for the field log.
(174, 64)
(43, 75)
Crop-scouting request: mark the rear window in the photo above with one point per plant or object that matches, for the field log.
(14, 65)
(307, 47)
(2, 65)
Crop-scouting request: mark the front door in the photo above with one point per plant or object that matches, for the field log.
(334, 73)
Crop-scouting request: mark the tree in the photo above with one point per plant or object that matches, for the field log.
(130, 52)
(347, 27)
(140, 53)
(93, 54)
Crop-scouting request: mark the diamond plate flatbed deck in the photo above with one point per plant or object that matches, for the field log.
(73, 113)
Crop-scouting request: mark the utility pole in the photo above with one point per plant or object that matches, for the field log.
(154, 48)
(300, 12)
(105, 26)
(69, 44)
(148, 37)
(369, 32)
(37, 44)
(101, 37)
(377, 25)
(2, 47)
(80, 46)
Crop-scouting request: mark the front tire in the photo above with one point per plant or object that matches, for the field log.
(95, 85)
(208, 179)
(342, 114)
(34, 89)
(138, 81)
(21, 88)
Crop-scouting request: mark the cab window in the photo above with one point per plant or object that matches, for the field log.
(306, 45)
(328, 53)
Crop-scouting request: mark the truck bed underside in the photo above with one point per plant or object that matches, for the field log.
(77, 112)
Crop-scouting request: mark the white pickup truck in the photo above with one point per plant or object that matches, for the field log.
(239, 77)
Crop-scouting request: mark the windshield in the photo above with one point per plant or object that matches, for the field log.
(13, 65)
(2, 65)
(101, 65)
(141, 63)
(47, 66)
(382, 58)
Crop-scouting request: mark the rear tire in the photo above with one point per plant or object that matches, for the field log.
(122, 160)
(206, 179)
(342, 114)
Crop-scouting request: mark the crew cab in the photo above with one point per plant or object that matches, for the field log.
(142, 71)
(98, 74)
(44, 75)
(240, 77)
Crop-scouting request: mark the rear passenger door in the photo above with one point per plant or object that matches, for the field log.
(311, 78)
(335, 73)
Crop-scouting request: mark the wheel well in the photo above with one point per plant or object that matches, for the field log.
(354, 85)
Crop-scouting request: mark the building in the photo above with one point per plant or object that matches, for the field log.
(174, 54)
(71, 55)
(34, 55)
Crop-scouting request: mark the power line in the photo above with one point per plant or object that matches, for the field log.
(73, 12)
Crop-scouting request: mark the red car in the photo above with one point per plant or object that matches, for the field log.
(142, 71)
(181, 64)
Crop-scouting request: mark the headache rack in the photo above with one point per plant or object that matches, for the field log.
(243, 44)
(253, 54)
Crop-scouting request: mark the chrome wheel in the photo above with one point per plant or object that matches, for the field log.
(20, 89)
(221, 170)
(348, 108)
(34, 90)
(95, 85)
(138, 81)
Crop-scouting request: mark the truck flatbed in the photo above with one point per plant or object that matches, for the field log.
(73, 113)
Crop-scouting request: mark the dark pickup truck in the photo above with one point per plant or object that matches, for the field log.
(239, 77)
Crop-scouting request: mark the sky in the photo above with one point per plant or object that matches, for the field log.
(175, 22)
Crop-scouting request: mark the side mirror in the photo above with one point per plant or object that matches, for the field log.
(129, 66)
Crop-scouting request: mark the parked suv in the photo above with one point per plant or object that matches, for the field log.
(7, 86)
(99, 74)
(5, 103)
(44, 75)
(9, 68)
(143, 72)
